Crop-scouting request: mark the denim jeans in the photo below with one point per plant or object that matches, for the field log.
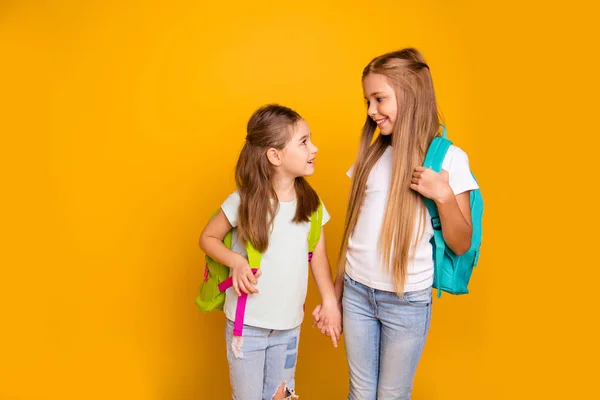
(265, 359)
(384, 338)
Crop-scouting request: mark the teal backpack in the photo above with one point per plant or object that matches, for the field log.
(451, 272)
(216, 281)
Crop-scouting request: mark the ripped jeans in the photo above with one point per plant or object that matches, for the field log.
(268, 358)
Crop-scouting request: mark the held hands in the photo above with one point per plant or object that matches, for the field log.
(431, 184)
(242, 277)
(328, 318)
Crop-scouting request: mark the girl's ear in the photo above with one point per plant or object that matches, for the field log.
(274, 156)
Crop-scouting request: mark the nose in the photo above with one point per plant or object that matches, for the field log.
(314, 148)
(372, 110)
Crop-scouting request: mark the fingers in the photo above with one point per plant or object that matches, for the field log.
(236, 288)
(420, 171)
(242, 285)
(316, 315)
(320, 325)
(245, 282)
(338, 332)
(324, 327)
(333, 336)
(416, 177)
(251, 277)
(250, 281)
(333, 330)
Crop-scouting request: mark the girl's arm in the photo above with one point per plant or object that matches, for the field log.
(338, 287)
(329, 311)
(211, 242)
(455, 211)
(455, 217)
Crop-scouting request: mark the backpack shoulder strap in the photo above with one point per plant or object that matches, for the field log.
(314, 234)
(434, 160)
(436, 153)
(254, 256)
(316, 220)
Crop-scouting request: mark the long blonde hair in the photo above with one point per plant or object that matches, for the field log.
(270, 126)
(416, 125)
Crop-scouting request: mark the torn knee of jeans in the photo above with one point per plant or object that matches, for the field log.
(236, 346)
(284, 392)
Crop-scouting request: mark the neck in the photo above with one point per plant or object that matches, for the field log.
(284, 188)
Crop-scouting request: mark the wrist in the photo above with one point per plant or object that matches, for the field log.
(339, 289)
(445, 197)
(329, 300)
(237, 261)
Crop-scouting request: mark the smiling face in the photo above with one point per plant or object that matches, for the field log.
(381, 102)
(298, 156)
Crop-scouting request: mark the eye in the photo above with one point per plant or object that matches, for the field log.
(304, 142)
(379, 99)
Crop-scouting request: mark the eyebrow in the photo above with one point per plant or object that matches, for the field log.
(304, 137)
(374, 93)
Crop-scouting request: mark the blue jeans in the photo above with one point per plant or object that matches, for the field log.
(265, 359)
(384, 337)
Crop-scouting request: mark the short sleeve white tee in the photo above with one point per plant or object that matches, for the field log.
(363, 263)
(284, 265)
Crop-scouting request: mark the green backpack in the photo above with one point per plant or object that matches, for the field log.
(211, 296)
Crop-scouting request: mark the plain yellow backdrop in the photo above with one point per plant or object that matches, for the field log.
(121, 122)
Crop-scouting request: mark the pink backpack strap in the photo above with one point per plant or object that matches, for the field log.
(240, 311)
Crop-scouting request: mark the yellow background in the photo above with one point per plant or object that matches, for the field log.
(121, 122)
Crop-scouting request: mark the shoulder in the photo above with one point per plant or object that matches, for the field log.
(326, 216)
(456, 163)
(230, 207)
(456, 153)
(456, 158)
(234, 196)
(232, 200)
(383, 164)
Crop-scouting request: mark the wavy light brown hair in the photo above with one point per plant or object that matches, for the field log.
(271, 126)
(416, 125)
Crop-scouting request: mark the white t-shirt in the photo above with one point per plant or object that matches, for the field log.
(284, 266)
(363, 263)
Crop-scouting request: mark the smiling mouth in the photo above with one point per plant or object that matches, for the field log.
(311, 161)
(380, 122)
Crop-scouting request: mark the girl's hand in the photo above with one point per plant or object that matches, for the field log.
(328, 318)
(243, 278)
(431, 184)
